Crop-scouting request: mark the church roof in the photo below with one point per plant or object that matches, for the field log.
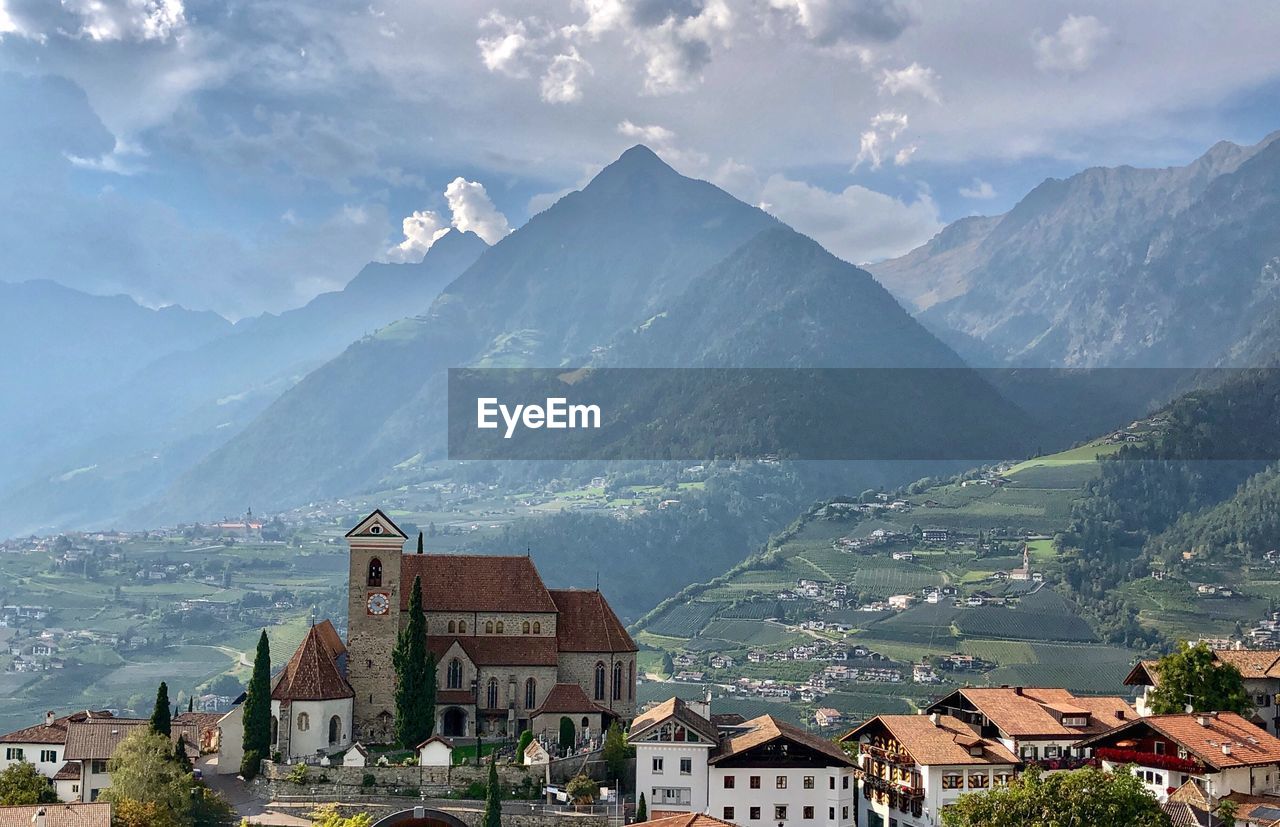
(499, 650)
(474, 583)
(312, 674)
(587, 623)
(567, 697)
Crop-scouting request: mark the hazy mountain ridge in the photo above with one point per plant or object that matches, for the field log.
(1123, 266)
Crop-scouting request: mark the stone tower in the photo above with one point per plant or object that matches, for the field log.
(373, 622)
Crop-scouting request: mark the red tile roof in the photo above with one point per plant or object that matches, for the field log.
(946, 742)
(687, 820)
(312, 674)
(587, 623)
(97, 814)
(766, 729)
(498, 650)
(70, 771)
(678, 709)
(55, 733)
(99, 737)
(1029, 712)
(568, 697)
(1248, 745)
(474, 583)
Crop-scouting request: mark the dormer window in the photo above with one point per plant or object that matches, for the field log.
(375, 572)
(377, 529)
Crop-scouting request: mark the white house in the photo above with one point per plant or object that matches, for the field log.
(914, 765)
(1221, 751)
(356, 756)
(436, 751)
(752, 773)
(1259, 668)
(44, 746)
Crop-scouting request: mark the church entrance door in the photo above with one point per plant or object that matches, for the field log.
(454, 723)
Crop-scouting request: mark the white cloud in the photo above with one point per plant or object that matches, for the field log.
(857, 224)
(876, 142)
(562, 82)
(830, 22)
(472, 210)
(1073, 47)
(421, 229)
(903, 156)
(653, 135)
(504, 50)
(7, 24)
(979, 189)
(914, 79)
(106, 20)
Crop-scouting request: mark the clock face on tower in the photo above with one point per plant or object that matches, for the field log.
(379, 603)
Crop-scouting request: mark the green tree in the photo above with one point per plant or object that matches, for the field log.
(668, 665)
(161, 715)
(1193, 676)
(1081, 798)
(616, 752)
(180, 753)
(492, 816)
(257, 711)
(582, 789)
(415, 676)
(642, 809)
(419, 542)
(21, 783)
(327, 815)
(526, 738)
(567, 734)
(143, 770)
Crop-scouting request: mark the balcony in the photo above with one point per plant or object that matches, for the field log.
(900, 759)
(1150, 759)
(1063, 763)
(897, 787)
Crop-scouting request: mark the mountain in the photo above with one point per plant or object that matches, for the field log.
(182, 398)
(639, 243)
(1171, 267)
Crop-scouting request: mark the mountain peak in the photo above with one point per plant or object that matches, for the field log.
(638, 163)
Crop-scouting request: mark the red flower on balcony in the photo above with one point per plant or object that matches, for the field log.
(1150, 759)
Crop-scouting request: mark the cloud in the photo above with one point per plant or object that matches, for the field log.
(653, 135)
(421, 229)
(506, 47)
(830, 22)
(913, 79)
(979, 189)
(1073, 47)
(561, 83)
(473, 211)
(857, 224)
(876, 142)
(99, 20)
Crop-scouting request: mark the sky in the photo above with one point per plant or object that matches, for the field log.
(246, 156)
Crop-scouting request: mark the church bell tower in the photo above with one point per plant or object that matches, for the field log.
(373, 623)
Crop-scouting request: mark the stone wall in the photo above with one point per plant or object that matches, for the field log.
(514, 814)
(334, 782)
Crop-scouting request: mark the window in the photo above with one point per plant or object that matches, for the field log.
(335, 730)
(1052, 751)
(754, 813)
(537, 627)
(831, 783)
(779, 812)
(499, 627)
(75, 788)
(755, 782)
(808, 782)
(728, 782)
(453, 678)
(1002, 779)
(530, 693)
(453, 627)
(845, 782)
(600, 681)
(686, 766)
(657, 766)
(375, 572)
(728, 814)
(586, 723)
(1158, 747)
(48, 756)
(99, 766)
(304, 722)
(617, 681)
(488, 627)
(462, 627)
(953, 781)
(807, 813)
(979, 781)
(1029, 752)
(672, 795)
(491, 695)
(831, 813)
(844, 813)
(525, 628)
(781, 782)
(14, 754)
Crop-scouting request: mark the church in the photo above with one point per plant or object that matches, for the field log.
(510, 653)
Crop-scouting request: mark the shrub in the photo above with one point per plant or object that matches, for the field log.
(300, 774)
(367, 780)
(582, 789)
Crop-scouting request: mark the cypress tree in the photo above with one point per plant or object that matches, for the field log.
(180, 753)
(642, 810)
(411, 664)
(419, 542)
(492, 800)
(161, 716)
(191, 703)
(257, 711)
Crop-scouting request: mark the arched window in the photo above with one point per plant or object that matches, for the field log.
(525, 628)
(488, 627)
(586, 723)
(600, 681)
(335, 730)
(617, 681)
(537, 627)
(462, 627)
(631, 681)
(375, 572)
(453, 679)
(492, 694)
(453, 627)
(304, 722)
(499, 629)
(530, 693)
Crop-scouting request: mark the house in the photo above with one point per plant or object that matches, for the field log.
(746, 773)
(912, 766)
(1222, 751)
(934, 535)
(903, 555)
(43, 745)
(536, 754)
(901, 601)
(356, 756)
(1037, 724)
(828, 717)
(91, 742)
(436, 751)
(923, 673)
(56, 815)
(1260, 670)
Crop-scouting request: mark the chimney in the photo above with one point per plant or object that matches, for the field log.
(1226, 749)
(936, 719)
(1017, 690)
(1202, 720)
(1120, 714)
(39, 818)
(48, 718)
